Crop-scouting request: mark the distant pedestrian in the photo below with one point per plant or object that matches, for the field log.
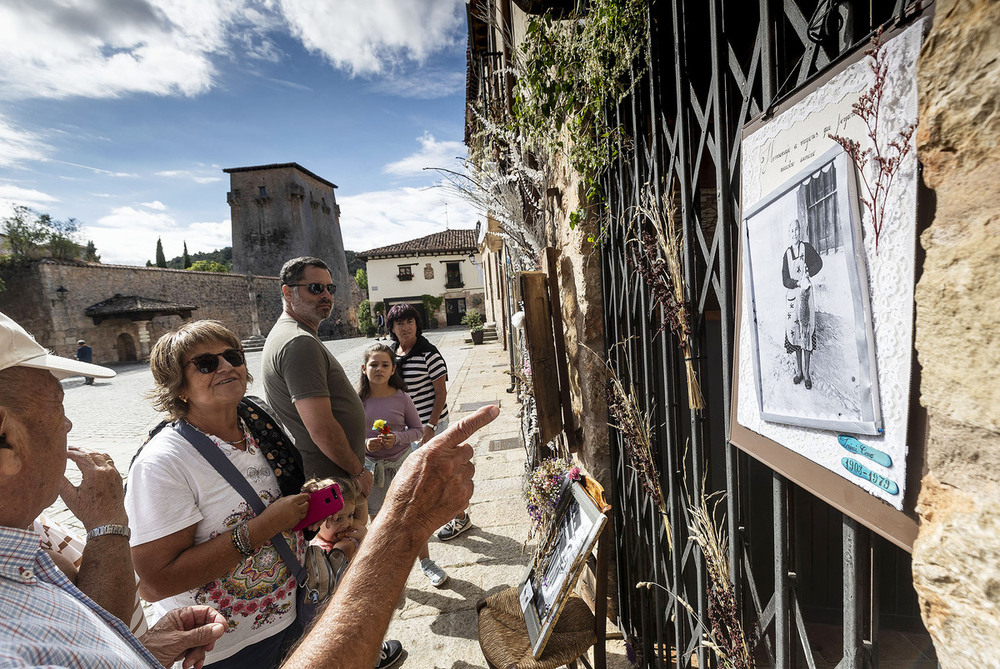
(381, 324)
(85, 353)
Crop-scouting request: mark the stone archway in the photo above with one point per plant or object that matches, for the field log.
(126, 348)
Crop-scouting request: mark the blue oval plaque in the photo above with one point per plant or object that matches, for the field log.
(864, 450)
(859, 470)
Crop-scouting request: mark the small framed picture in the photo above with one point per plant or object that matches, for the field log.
(544, 590)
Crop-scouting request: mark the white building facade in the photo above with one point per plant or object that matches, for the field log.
(445, 265)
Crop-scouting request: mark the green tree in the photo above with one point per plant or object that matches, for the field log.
(30, 235)
(361, 278)
(61, 238)
(161, 260)
(90, 252)
(25, 232)
(365, 323)
(187, 258)
(208, 266)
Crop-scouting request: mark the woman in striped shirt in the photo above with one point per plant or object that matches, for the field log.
(426, 376)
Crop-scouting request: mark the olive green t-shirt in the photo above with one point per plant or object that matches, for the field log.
(296, 365)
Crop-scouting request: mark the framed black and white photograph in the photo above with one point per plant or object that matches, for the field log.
(823, 362)
(544, 590)
(814, 353)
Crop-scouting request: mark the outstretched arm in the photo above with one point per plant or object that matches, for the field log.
(434, 485)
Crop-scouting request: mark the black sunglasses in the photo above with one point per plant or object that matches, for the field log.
(316, 288)
(206, 363)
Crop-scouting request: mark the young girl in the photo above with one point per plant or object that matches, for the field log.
(344, 529)
(383, 393)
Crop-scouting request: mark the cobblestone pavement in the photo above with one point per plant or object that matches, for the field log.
(114, 416)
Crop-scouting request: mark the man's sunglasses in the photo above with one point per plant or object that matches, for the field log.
(206, 363)
(316, 288)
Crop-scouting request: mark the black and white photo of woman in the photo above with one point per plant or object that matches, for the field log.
(800, 263)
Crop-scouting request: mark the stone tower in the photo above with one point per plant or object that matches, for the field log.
(282, 211)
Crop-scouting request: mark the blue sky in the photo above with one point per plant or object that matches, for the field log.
(123, 113)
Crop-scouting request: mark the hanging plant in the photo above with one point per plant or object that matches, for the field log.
(568, 71)
(726, 636)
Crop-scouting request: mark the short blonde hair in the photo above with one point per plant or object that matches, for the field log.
(349, 490)
(168, 356)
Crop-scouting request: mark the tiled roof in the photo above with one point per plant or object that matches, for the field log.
(124, 305)
(449, 241)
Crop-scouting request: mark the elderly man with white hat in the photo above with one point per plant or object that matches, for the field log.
(46, 615)
(46, 620)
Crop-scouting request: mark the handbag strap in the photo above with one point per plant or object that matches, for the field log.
(228, 471)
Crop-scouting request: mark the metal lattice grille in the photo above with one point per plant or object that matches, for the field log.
(713, 66)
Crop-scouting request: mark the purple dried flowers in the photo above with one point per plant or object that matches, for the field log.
(544, 489)
(885, 161)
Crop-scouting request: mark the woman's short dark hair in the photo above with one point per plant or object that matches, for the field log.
(401, 312)
(293, 270)
(169, 354)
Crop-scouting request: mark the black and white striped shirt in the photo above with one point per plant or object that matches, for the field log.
(419, 368)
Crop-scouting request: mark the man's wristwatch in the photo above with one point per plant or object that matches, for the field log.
(432, 426)
(123, 530)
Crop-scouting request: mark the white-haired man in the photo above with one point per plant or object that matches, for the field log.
(48, 616)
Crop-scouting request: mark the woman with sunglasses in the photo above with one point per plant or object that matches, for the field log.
(195, 539)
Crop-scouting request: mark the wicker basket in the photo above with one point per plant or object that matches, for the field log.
(504, 640)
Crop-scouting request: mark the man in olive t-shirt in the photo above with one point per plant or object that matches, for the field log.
(304, 383)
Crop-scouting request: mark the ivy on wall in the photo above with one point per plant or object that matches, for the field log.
(570, 70)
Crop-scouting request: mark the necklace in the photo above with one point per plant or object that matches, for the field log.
(235, 442)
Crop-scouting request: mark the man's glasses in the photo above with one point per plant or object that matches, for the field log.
(316, 288)
(206, 363)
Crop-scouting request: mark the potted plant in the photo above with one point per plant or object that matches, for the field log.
(474, 320)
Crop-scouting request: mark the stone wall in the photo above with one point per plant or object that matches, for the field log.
(956, 558)
(57, 319)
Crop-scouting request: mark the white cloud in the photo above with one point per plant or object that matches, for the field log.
(432, 154)
(17, 145)
(143, 228)
(421, 83)
(11, 195)
(155, 204)
(111, 48)
(107, 48)
(96, 170)
(188, 174)
(373, 36)
(377, 218)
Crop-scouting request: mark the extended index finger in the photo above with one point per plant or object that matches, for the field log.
(82, 459)
(460, 431)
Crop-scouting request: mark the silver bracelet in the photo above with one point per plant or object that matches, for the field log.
(121, 530)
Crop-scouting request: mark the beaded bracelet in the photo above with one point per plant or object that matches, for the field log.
(241, 539)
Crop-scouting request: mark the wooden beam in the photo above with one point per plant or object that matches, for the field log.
(542, 353)
(562, 364)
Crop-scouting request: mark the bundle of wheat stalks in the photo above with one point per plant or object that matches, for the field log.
(664, 274)
(724, 633)
(634, 424)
